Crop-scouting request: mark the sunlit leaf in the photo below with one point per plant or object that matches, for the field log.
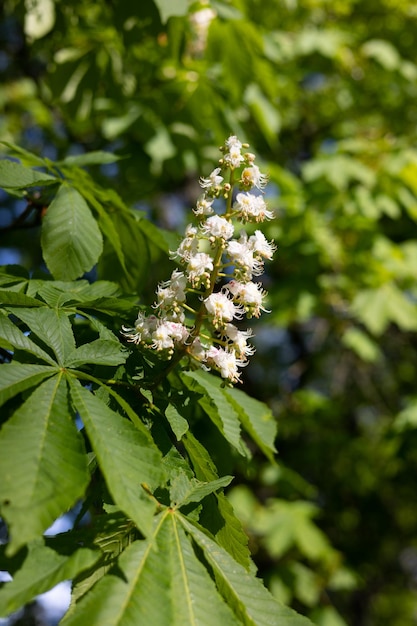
(17, 377)
(101, 351)
(16, 176)
(71, 240)
(47, 471)
(125, 456)
(14, 336)
(250, 600)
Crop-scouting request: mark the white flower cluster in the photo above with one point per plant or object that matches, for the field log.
(209, 254)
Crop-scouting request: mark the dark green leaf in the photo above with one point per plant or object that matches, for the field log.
(42, 569)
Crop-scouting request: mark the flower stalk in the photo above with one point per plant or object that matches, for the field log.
(218, 268)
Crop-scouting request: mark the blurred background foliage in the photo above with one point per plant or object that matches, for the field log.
(326, 92)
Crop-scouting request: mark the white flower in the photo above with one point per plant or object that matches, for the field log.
(239, 339)
(198, 269)
(221, 308)
(250, 295)
(171, 293)
(260, 245)
(203, 206)
(217, 226)
(188, 246)
(233, 142)
(252, 177)
(144, 327)
(213, 181)
(226, 362)
(197, 350)
(166, 333)
(251, 208)
(242, 255)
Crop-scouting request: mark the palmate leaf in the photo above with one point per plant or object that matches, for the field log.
(216, 405)
(71, 240)
(52, 326)
(42, 569)
(17, 377)
(126, 456)
(256, 419)
(14, 336)
(250, 600)
(42, 463)
(157, 581)
(101, 351)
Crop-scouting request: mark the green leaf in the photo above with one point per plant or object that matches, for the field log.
(230, 534)
(101, 351)
(256, 419)
(217, 406)
(47, 471)
(18, 299)
(178, 423)
(168, 8)
(134, 253)
(14, 336)
(16, 176)
(96, 157)
(264, 113)
(42, 569)
(17, 377)
(52, 326)
(125, 455)
(196, 601)
(244, 593)
(362, 344)
(156, 581)
(71, 240)
(185, 490)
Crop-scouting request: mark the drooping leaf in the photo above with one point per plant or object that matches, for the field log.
(125, 455)
(101, 351)
(17, 377)
(196, 601)
(16, 176)
(42, 569)
(137, 591)
(244, 593)
(47, 471)
(144, 588)
(16, 338)
(217, 406)
(53, 327)
(256, 419)
(71, 240)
